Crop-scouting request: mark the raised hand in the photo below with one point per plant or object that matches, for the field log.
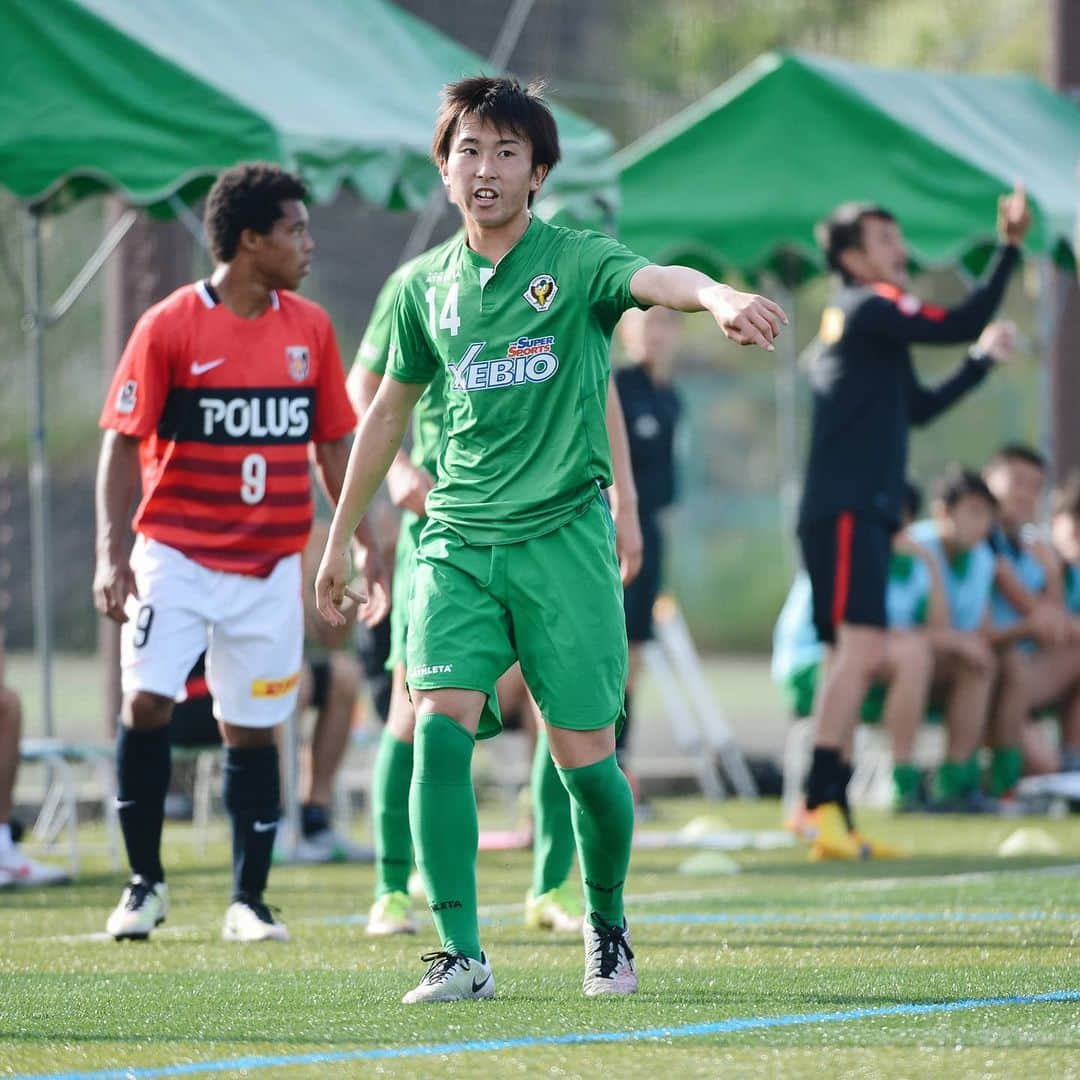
(1013, 216)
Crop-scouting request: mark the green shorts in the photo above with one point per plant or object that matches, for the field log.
(553, 602)
(401, 589)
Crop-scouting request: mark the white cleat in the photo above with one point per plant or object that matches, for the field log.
(609, 960)
(453, 978)
(252, 920)
(389, 915)
(559, 909)
(143, 905)
(22, 872)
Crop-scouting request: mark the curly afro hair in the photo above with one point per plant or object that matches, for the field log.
(247, 196)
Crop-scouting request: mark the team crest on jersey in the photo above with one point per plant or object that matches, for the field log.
(125, 399)
(299, 361)
(541, 292)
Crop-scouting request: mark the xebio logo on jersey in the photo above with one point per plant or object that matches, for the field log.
(245, 416)
(527, 360)
(541, 292)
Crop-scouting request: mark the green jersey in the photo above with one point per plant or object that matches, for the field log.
(373, 354)
(523, 348)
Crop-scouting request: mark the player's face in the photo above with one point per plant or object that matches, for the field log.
(971, 519)
(1065, 531)
(283, 255)
(882, 255)
(1017, 486)
(489, 173)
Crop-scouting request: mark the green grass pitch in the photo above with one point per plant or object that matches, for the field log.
(784, 969)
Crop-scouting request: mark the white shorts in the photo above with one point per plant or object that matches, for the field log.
(252, 630)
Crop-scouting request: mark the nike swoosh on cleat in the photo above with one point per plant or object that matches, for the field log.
(202, 369)
(263, 826)
(123, 804)
(477, 987)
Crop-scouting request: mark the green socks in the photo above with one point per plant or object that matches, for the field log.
(442, 811)
(553, 835)
(602, 813)
(1006, 768)
(907, 784)
(390, 781)
(956, 779)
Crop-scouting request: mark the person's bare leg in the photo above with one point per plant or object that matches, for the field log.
(10, 733)
(333, 726)
(967, 712)
(1009, 712)
(1055, 680)
(906, 671)
(858, 655)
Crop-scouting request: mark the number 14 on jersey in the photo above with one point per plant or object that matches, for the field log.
(448, 316)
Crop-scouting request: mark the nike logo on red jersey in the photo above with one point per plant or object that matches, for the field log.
(202, 369)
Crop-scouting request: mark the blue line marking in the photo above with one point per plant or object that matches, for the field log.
(780, 918)
(753, 918)
(754, 1023)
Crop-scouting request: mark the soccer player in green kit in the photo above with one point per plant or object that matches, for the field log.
(553, 902)
(517, 559)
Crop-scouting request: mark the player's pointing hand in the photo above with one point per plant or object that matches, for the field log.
(745, 318)
(330, 584)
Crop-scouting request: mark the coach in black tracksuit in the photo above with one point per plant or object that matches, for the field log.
(866, 396)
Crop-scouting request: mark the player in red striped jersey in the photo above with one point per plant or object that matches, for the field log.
(223, 390)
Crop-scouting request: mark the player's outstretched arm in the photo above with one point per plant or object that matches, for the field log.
(906, 319)
(114, 491)
(745, 318)
(629, 545)
(377, 440)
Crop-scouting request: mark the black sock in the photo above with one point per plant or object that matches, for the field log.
(314, 819)
(142, 779)
(846, 773)
(827, 779)
(253, 799)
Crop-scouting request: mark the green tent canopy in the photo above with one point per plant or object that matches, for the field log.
(738, 180)
(151, 98)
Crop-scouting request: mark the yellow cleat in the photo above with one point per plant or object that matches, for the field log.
(560, 910)
(826, 829)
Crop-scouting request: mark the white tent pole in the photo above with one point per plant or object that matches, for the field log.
(34, 321)
(1046, 317)
(787, 436)
(499, 57)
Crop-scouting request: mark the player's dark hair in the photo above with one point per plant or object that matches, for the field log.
(506, 105)
(912, 499)
(1014, 453)
(1066, 498)
(843, 230)
(957, 483)
(247, 196)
